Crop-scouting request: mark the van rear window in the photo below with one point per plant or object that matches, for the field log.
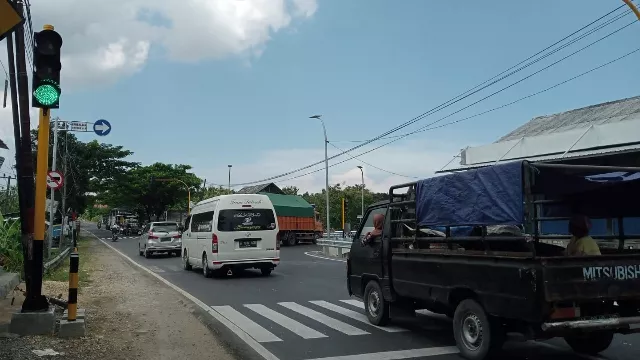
(246, 220)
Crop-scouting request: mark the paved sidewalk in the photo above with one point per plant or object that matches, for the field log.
(130, 315)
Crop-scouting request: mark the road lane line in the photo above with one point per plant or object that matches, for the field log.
(155, 269)
(397, 355)
(251, 342)
(355, 315)
(358, 303)
(298, 328)
(354, 302)
(309, 253)
(324, 319)
(247, 325)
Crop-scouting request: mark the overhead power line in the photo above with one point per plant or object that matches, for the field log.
(427, 128)
(476, 89)
(373, 166)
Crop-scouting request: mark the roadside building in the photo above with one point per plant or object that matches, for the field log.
(603, 134)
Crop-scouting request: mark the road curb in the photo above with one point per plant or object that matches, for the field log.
(215, 322)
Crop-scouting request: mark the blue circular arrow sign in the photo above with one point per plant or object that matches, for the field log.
(102, 127)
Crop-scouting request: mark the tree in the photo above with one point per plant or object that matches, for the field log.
(290, 190)
(90, 166)
(209, 192)
(151, 190)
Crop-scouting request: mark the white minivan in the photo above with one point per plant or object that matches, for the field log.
(231, 232)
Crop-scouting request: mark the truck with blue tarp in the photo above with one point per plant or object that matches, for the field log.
(503, 273)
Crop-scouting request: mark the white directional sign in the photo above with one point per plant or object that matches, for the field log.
(54, 180)
(78, 126)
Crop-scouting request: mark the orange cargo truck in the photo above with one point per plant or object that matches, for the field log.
(296, 218)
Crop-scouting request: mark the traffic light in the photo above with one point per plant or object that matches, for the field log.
(46, 73)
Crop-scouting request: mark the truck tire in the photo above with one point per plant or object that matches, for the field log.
(476, 335)
(291, 239)
(590, 344)
(375, 306)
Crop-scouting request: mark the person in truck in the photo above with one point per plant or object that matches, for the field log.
(378, 224)
(581, 244)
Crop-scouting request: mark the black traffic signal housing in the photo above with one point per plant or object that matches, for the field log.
(346, 208)
(46, 73)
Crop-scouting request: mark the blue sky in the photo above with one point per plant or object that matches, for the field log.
(366, 66)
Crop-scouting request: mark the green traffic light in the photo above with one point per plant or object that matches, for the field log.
(46, 94)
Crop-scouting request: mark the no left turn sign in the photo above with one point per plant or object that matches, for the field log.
(54, 180)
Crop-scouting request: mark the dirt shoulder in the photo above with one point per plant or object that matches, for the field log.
(130, 315)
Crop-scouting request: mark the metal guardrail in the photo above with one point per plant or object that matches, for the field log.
(53, 263)
(340, 243)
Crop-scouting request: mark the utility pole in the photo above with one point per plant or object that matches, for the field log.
(34, 300)
(64, 189)
(52, 212)
(24, 215)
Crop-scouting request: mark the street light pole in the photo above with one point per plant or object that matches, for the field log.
(326, 166)
(229, 177)
(188, 192)
(362, 193)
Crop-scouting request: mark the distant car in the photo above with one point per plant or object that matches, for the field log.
(160, 237)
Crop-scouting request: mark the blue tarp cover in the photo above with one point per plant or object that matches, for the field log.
(487, 196)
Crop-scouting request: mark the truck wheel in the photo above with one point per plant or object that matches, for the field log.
(590, 344)
(291, 239)
(376, 307)
(477, 337)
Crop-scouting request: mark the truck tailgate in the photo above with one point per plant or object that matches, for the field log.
(591, 277)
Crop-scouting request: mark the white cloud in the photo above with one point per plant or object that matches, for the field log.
(6, 134)
(417, 158)
(107, 40)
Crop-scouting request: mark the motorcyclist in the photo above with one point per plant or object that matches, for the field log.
(114, 229)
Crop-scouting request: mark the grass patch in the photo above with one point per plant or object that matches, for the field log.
(62, 272)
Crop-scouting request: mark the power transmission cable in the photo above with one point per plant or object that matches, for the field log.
(426, 128)
(468, 93)
(373, 166)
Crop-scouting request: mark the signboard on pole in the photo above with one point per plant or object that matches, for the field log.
(102, 127)
(78, 126)
(54, 180)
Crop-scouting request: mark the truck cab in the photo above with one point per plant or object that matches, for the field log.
(471, 246)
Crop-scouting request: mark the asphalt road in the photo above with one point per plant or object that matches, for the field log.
(303, 311)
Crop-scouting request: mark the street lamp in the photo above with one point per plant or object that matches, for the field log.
(188, 192)
(362, 192)
(326, 165)
(229, 177)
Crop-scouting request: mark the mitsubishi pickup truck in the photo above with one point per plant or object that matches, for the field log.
(504, 274)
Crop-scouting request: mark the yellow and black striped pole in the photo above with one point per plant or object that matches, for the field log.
(72, 303)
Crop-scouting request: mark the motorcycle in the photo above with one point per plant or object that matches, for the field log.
(99, 225)
(114, 237)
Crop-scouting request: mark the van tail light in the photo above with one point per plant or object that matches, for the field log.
(278, 241)
(214, 243)
(152, 237)
(177, 236)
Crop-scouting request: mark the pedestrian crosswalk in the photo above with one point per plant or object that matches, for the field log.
(307, 320)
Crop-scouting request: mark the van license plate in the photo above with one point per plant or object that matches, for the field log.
(248, 243)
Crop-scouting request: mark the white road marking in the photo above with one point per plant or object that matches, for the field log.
(355, 315)
(308, 253)
(397, 355)
(247, 325)
(324, 319)
(354, 302)
(298, 328)
(359, 304)
(251, 342)
(155, 269)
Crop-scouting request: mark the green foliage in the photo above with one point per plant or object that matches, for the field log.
(134, 189)
(91, 167)
(336, 193)
(209, 192)
(11, 258)
(9, 201)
